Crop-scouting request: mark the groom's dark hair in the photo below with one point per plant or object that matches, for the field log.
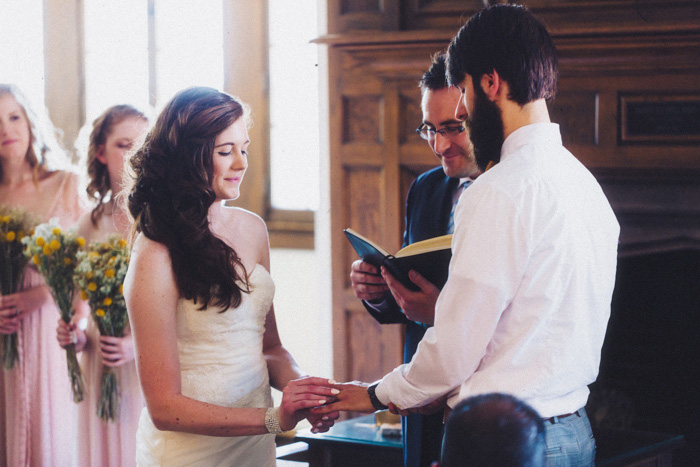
(512, 41)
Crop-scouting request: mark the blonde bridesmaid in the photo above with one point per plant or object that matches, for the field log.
(38, 405)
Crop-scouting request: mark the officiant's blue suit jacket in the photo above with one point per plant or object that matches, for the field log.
(428, 207)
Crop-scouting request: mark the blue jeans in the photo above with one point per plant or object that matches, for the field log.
(569, 441)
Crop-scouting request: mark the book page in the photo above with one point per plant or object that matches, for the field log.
(431, 244)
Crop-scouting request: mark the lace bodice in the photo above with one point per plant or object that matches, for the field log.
(221, 358)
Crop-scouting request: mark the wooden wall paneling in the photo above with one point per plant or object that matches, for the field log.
(559, 15)
(375, 114)
(353, 15)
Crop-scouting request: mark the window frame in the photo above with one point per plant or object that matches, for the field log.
(246, 47)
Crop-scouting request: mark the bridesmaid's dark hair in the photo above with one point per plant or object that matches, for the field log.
(173, 191)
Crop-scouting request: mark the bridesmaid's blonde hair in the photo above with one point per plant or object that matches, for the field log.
(44, 149)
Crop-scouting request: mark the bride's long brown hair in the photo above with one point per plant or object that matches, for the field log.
(172, 193)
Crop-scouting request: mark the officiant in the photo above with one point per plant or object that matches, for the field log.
(430, 207)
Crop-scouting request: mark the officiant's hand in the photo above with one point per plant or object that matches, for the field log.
(353, 397)
(366, 281)
(417, 306)
(302, 394)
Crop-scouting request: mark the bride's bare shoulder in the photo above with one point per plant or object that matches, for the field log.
(244, 220)
(145, 250)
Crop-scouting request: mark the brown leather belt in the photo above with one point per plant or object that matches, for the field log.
(556, 418)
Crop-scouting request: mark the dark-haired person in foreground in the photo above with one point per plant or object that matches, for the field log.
(493, 430)
(430, 206)
(527, 301)
(199, 296)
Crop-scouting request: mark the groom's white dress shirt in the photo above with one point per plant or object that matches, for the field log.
(527, 302)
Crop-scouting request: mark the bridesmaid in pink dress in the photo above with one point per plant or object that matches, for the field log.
(38, 405)
(114, 134)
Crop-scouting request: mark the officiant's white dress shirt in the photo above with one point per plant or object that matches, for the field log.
(527, 302)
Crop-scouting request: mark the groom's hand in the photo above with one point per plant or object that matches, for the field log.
(353, 397)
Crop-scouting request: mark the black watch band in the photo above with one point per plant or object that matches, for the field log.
(376, 403)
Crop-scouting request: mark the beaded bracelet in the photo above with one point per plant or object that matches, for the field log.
(272, 421)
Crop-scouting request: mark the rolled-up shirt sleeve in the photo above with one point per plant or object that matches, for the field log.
(490, 250)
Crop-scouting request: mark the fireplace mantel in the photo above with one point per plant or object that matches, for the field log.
(658, 210)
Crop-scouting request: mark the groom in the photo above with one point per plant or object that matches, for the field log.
(525, 308)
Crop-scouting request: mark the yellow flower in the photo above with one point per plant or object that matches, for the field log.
(89, 275)
(40, 241)
(10, 236)
(55, 245)
(121, 289)
(80, 241)
(111, 260)
(92, 286)
(56, 231)
(107, 301)
(122, 243)
(36, 259)
(109, 273)
(4, 218)
(83, 295)
(47, 250)
(93, 255)
(68, 261)
(100, 312)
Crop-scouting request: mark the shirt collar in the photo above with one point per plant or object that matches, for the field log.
(529, 134)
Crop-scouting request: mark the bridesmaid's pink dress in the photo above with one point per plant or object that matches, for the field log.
(107, 444)
(40, 428)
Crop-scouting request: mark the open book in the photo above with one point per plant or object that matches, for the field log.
(430, 258)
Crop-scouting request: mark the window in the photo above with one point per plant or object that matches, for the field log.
(294, 119)
(22, 47)
(116, 55)
(189, 46)
(146, 53)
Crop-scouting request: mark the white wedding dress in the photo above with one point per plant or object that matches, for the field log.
(222, 363)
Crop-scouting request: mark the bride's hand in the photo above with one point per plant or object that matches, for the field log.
(321, 423)
(302, 394)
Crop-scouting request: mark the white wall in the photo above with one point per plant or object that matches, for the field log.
(300, 320)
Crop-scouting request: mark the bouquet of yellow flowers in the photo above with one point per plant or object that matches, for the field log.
(54, 251)
(15, 224)
(100, 278)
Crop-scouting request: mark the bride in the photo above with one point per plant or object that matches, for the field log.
(199, 296)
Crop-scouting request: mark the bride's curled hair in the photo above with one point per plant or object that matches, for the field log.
(172, 194)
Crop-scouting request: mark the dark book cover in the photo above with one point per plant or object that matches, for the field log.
(430, 258)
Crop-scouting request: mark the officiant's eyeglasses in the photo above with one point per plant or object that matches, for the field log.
(428, 133)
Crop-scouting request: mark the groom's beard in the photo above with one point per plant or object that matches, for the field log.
(485, 130)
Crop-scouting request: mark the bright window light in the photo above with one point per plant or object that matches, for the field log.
(189, 46)
(294, 121)
(116, 55)
(22, 47)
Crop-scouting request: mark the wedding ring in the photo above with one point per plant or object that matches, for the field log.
(82, 324)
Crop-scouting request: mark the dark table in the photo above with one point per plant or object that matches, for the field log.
(358, 442)
(355, 442)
